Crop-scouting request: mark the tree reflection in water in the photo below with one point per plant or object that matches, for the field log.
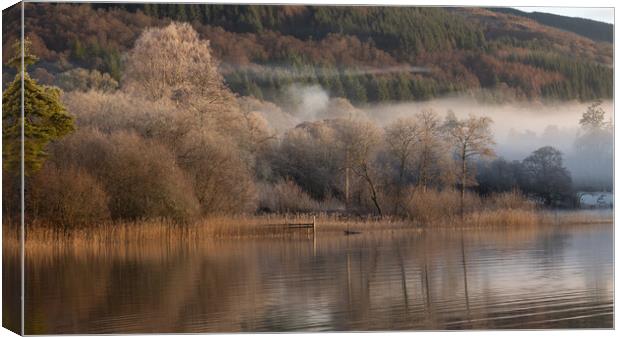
(522, 278)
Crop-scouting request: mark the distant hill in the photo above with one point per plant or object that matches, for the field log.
(366, 54)
(595, 30)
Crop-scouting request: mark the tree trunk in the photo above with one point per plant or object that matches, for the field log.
(374, 200)
(399, 187)
(373, 192)
(463, 180)
(422, 168)
(346, 188)
(346, 181)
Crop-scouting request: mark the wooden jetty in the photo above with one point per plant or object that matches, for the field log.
(311, 226)
(306, 225)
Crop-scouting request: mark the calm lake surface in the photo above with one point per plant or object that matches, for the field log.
(549, 277)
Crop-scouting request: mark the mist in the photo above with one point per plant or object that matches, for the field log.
(519, 128)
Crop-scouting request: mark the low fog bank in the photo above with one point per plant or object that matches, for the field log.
(522, 127)
(519, 128)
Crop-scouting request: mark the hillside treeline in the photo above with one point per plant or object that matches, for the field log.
(172, 141)
(365, 54)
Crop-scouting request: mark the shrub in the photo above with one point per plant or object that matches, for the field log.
(118, 111)
(81, 79)
(286, 197)
(510, 200)
(437, 205)
(68, 197)
(219, 174)
(140, 175)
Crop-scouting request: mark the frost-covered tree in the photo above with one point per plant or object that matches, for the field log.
(470, 138)
(592, 160)
(402, 138)
(174, 63)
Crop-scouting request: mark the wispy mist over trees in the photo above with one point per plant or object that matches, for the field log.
(592, 159)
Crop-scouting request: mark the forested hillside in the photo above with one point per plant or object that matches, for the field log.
(365, 54)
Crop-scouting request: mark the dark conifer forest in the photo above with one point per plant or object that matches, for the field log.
(365, 54)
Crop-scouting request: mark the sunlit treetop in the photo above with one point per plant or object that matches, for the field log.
(28, 58)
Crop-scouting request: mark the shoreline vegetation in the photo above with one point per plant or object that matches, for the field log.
(152, 231)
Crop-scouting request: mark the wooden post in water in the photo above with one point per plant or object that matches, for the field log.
(465, 278)
(314, 235)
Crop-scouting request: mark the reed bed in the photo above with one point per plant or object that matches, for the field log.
(213, 227)
(164, 231)
(595, 216)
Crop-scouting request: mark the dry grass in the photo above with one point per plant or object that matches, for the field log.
(596, 216)
(505, 210)
(164, 231)
(510, 201)
(434, 208)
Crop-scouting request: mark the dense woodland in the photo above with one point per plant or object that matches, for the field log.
(170, 139)
(364, 54)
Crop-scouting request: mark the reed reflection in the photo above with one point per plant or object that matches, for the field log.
(528, 278)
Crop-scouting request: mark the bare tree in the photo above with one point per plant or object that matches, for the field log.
(360, 140)
(401, 137)
(471, 137)
(430, 150)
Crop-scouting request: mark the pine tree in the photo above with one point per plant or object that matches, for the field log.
(45, 118)
(383, 93)
(355, 91)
